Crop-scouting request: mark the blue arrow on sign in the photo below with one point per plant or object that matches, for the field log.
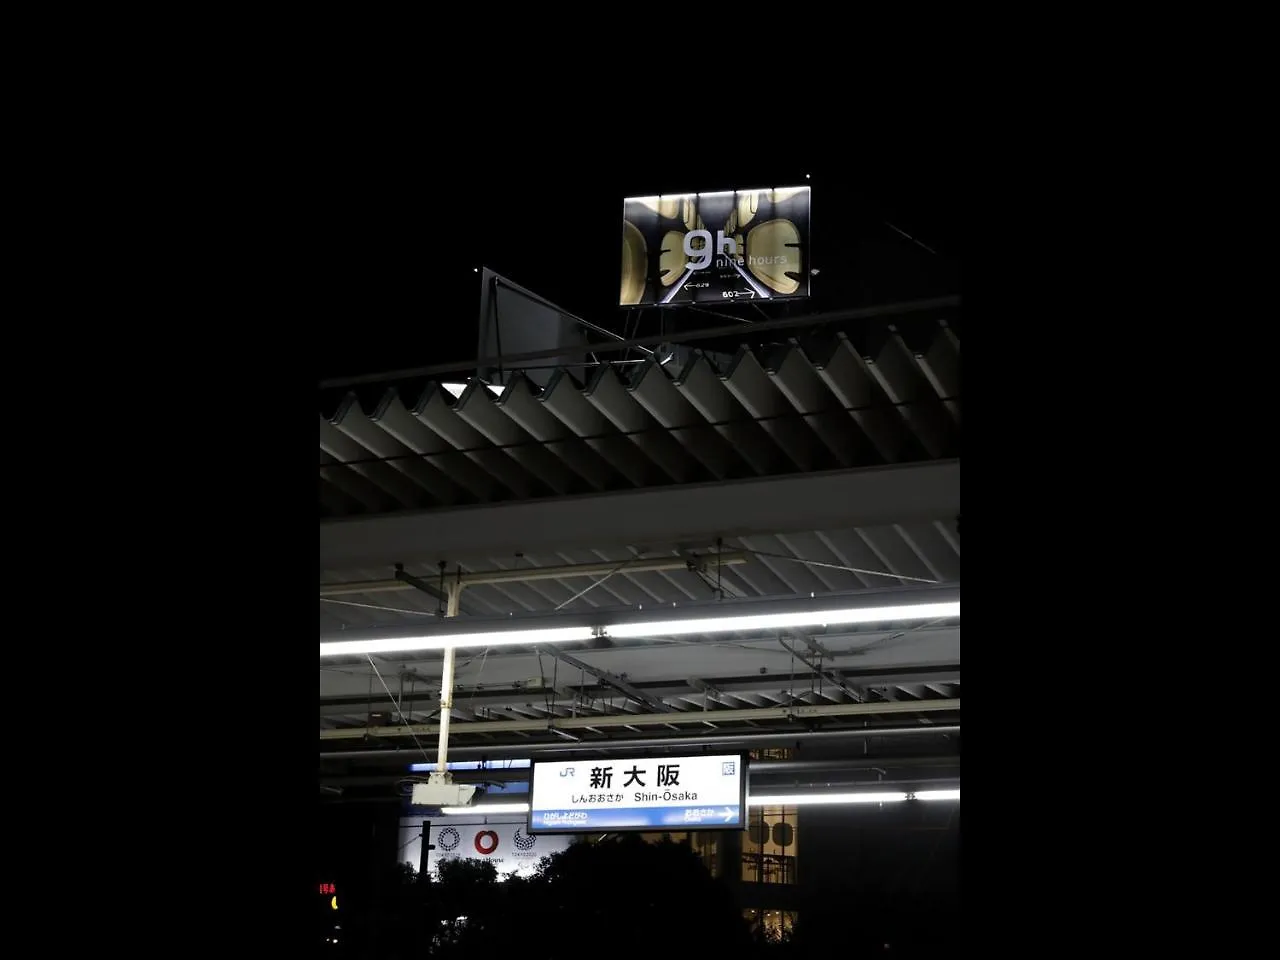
(729, 814)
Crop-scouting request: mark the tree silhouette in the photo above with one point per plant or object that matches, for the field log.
(622, 897)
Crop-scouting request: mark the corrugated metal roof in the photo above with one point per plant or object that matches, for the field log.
(830, 402)
(856, 398)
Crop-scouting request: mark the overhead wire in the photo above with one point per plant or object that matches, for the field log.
(897, 636)
(592, 586)
(377, 606)
(475, 684)
(408, 726)
(918, 243)
(409, 841)
(837, 566)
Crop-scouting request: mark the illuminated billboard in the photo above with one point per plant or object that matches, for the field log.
(704, 792)
(506, 844)
(715, 247)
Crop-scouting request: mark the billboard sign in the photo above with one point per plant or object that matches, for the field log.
(650, 793)
(715, 247)
(508, 846)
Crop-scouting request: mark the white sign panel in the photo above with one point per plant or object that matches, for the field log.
(508, 846)
(655, 793)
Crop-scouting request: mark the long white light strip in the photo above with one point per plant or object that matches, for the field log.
(486, 808)
(774, 621)
(661, 628)
(811, 799)
(497, 638)
(473, 765)
(802, 799)
(775, 800)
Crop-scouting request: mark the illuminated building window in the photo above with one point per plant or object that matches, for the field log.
(770, 753)
(706, 846)
(769, 847)
(770, 924)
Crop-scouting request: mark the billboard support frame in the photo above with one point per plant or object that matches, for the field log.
(491, 282)
(897, 308)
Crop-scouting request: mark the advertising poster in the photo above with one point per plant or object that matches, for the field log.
(508, 846)
(715, 247)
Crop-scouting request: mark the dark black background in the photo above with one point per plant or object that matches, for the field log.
(407, 247)
(301, 255)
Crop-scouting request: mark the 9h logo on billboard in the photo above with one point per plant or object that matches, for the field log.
(702, 256)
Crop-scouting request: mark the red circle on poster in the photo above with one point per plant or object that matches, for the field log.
(486, 842)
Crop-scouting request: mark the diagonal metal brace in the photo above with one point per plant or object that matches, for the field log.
(831, 676)
(418, 583)
(608, 679)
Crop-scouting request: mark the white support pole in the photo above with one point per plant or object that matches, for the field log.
(446, 688)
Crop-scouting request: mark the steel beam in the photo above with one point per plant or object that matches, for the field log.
(797, 712)
(608, 679)
(831, 676)
(717, 689)
(928, 654)
(496, 751)
(756, 772)
(705, 562)
(839, 499)
(705, 609)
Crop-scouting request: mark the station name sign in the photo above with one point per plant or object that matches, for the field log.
(701, 792)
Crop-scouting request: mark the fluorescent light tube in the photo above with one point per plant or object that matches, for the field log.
(472, 765)
(801, 799)
(496, 638)
(661, 628)
(783, 621)
(768, 800)
(811, 799)
(485, 808)
(937, 794)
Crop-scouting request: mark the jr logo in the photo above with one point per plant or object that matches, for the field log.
(701, 259)
(567, 772)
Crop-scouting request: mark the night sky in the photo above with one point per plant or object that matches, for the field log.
(409, 296)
